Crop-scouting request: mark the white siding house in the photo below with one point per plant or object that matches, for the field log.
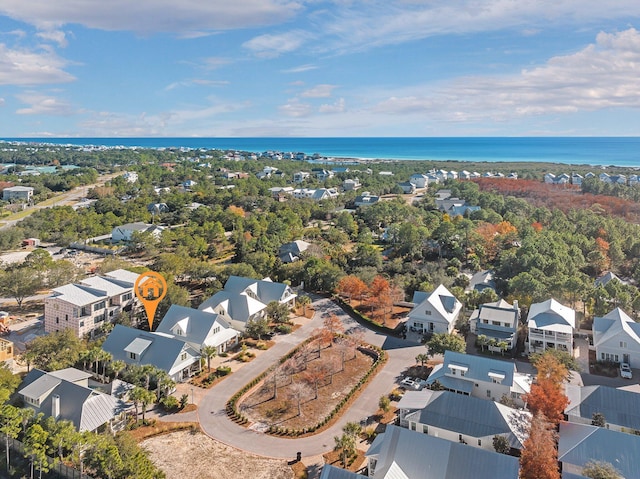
(434, 312)
(616, 337)
(551, 326)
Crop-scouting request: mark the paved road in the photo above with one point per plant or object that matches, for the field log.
(214, 421)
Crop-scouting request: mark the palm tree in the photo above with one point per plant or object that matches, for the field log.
(304, 301)
(116, 367)
(209, 352)
(422, 358)
(347, 445)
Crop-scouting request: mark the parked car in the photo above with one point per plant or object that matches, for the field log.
(409, 383)
(625, 371)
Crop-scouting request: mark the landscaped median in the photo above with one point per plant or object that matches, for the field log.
(309, 388)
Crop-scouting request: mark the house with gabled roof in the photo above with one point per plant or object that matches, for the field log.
(434, 312)
(620, 408)
(245, 299)
(198, 328)
(66, 395)
(551, 326)
(469, 420)
(400, 453)
(88, 304)
(290, 252)
(580, 444)
(133, 346)
(125, 232)
(481, 377)
(497, 321)
(419, 180)
(616, 337)
(606, 278)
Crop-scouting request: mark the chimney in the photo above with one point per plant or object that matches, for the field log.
(55, 406)
(515, 306)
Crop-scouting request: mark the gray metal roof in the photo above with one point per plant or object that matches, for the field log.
(415, 399)
(85, 408)
(196, 326)
(265, 290)
(619, 407)
(239, 307)
(406, 454)
(331, 472)
(163, 352)
(473, 417)
(70, 374)
(581, 443)
(479, 367)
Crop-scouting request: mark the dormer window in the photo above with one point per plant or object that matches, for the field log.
(179, 332)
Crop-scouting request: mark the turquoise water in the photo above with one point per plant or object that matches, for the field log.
(619, 151)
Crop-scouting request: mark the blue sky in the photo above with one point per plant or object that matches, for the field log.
(248, 68)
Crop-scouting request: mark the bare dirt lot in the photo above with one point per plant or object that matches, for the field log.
(194, 455)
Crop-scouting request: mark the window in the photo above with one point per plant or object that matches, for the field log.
(97, 319)
(127, 297)
(623, 344)
(183, 356)
(488, 393)
(179, 332)
(485, 321)
(66, 317)
(460, 437)
(425, 429)
(413, 426)
(84, 311)
(82, 324)
(133, 356)
(495, 323)
(427, 312)
(462, 372)
(35, 402)
(479, 442)
(496, 381)
(216, 330)
(100, 305)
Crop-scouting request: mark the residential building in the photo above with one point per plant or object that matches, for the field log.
(300, 176)
(399, 453)
(87, 305)
(130, 176)
(434, 312)
(365, 199)
(481, 377)
(616, 337)
(244, 300)
(551, 325)
(321, 174)
(281, 192)
(20, 193)
(576, 179)
(133, 346)
(332, 472)
(620, 408)
(419, 180)
(198, 328)
(482, 280)
(351, 184)
(407, 187)
(497, 321)
(469, 420)
(125, 232)
(606, 278)
(66, 395)
(290, 252)
(580, 444)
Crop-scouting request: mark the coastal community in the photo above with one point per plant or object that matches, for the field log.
(323, 317)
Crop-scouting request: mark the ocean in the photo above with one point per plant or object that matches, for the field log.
(605, 151)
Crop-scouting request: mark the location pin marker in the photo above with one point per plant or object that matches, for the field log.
(150, 288)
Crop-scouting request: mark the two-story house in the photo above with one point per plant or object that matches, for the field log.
(434, 312)
(497, 321)
(66, 395)
(551, 326)
(87, 305)
(481, 377)
(20, 193)
(620, 408)
(244, 300)
(616, 337)
(133, 346)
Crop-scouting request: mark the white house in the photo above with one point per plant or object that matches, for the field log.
(351, 184)
(244, 300)
(621, 409)
(576, 179)
(551, 325)
(419, 180)
(481, 377)
(300, 176)
(400, 453)
(366, 199)
(130, 176)
(434, 312)
(469, 420)
(198, 328)
(616, 337)
(125, 232)
(497, 321)
(133, 346)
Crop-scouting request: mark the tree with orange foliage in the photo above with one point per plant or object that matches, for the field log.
(351, 287)
(550, 367)
(539, 456)
(333, 324)
(381, 297)
(236, 211)
(546, 397)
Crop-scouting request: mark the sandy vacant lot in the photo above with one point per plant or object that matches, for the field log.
(187, 455)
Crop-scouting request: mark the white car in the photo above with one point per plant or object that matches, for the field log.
(625, 371)
(409, 383)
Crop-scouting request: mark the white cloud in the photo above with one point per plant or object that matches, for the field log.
(319, 91)
(24, 67)
(295, 108)
(271, 46)
(195, 81)
(40, 104)
(602, 75)
(337, 107)
(213, 63)
(149, 16)
(56, 36)
(301, 68)
(1, 101)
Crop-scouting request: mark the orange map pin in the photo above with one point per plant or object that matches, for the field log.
(150, 288)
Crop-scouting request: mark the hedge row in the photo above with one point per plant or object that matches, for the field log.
(235, 415)
(354, 313)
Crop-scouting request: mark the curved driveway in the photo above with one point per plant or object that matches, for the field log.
(214, 420)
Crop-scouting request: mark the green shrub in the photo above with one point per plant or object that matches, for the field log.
(169, 403)
(223, 370)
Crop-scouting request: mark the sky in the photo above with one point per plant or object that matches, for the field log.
(314, 68)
